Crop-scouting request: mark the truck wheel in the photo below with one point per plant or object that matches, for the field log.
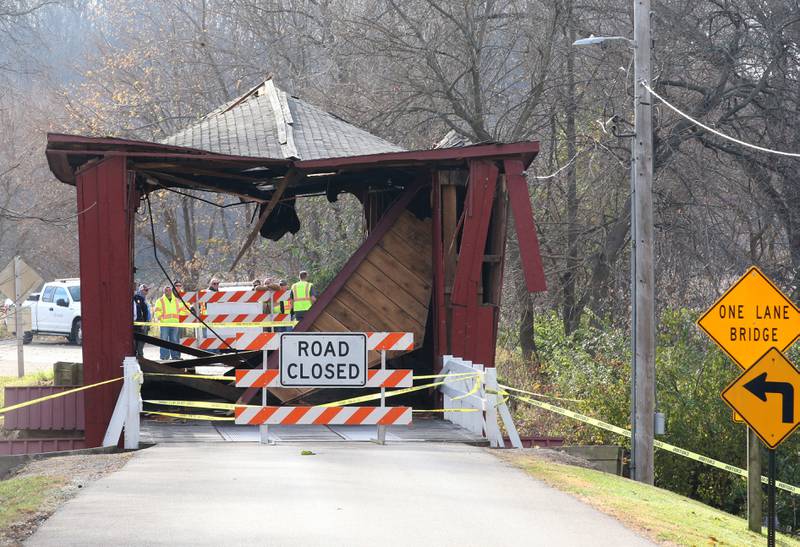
(76, 337)
(27, 337)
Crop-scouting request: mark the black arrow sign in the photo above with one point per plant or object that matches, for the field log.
(759, 387)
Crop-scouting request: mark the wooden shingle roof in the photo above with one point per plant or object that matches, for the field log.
(266, 122)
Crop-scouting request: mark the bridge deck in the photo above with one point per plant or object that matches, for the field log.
(422, 430)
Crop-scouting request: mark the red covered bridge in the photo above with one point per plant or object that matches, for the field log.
(437, 220)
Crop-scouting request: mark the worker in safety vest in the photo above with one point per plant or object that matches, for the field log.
(183, 309)
(167, 313)
(284, 306)
(302, 297)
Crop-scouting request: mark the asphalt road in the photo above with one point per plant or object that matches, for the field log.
(346, 494)
(40, 354)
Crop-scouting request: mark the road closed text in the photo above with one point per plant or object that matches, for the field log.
(323, 360)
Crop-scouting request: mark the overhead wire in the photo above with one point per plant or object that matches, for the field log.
(169, 279)
(714, 131)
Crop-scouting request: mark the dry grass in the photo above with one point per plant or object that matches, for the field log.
(661, 515)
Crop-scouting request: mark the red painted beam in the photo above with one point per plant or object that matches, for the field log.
(105, 230)
(525, 226)
(478, 211)
(439, 310)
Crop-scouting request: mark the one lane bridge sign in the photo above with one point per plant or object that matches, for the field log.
(767, 396)
(751, 317)
(323, 359)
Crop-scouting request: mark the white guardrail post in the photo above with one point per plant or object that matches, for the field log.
(128, 407)
(133, 386)
(485, 401)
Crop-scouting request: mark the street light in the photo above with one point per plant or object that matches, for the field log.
(593, 40)
(642, 270)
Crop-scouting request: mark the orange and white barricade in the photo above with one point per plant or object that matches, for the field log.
(375, 378)
(320, 415)
(331, 415)
(244, 341)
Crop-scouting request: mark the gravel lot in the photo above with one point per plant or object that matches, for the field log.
(43, 352)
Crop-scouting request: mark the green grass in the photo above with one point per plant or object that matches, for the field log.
(659, 514)
(22, 497)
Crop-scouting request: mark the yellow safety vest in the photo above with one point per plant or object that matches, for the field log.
(167, 310)
(283, 307)
(301, 296)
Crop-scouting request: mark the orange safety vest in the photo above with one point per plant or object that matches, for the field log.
(301, 296)
(183, 311)
(167, 310)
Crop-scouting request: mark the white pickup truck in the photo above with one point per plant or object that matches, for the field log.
(57, 311)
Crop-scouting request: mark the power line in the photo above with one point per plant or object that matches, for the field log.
(714, 131)
(172, 283)
(570, 162)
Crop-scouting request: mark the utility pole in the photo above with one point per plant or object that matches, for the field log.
(643, 278)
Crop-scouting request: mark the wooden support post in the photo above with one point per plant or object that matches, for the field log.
(643, 301)
(440, 342)
(108, 201)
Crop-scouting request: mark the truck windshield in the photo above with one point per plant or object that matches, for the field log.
(75, 292)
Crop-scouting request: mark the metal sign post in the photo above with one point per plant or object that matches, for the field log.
(263, 429)
(382, 428)
(771, 500)
(18, 315)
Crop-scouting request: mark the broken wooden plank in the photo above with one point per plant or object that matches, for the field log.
(212, 387)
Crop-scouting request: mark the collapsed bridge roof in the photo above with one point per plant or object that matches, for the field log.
(267, 122)
(266, 143)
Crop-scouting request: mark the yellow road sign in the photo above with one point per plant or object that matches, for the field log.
(751, 317)
(767, 396)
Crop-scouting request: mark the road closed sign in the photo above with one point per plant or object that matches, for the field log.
(750, 318)
(322, 359)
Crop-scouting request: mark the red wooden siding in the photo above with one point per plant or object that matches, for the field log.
(62, 413)
(37, 446)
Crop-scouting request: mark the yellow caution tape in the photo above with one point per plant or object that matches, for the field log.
(55, 396)
(460, 375)
(475, 386)
(192, 416)
(448, 410)
(542, 395)
(212, 325)
(658, 444)
(193, 376)
(195, 404)
(394, 393)
(448, 375)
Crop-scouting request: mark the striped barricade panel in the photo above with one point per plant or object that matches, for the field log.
(390, 341)
(320, 415)
(207, 297)
(240, 341)
(375, 378)
(229, 318)
(280, 317)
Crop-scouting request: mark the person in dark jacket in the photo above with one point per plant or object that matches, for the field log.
(141, 313)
